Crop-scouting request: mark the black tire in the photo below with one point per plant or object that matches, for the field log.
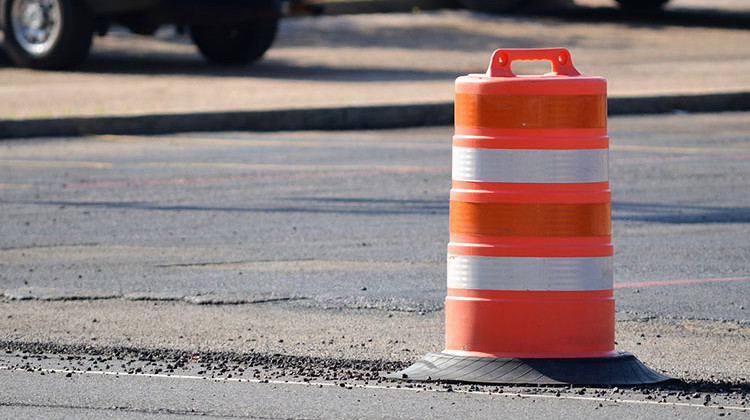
(234, 43)
(67, 47)
(493, 6)
(642, 5)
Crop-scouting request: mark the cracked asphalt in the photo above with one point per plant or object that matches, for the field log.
(277, 274)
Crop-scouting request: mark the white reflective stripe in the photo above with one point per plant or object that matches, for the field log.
(522, 273)
(530, 165)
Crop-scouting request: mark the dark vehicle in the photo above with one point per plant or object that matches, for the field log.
(57, 34)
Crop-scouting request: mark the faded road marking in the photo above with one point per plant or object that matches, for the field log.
(276, 166)
(674, 282)
(54, 164)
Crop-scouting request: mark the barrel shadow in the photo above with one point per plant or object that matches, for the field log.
(355, 207)
(679, 213)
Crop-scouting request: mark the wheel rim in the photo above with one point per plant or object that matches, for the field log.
(36, 24)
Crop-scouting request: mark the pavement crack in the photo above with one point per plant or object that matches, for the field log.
(120, 409)
(210, 301)
(647, 317)
(222, 263)
(32, 247)
(195, 300)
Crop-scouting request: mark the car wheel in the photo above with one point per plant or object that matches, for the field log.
(47, 34)
(234, 43)
(642, 5)
(493, 6)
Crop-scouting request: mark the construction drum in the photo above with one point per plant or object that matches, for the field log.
(529, 296)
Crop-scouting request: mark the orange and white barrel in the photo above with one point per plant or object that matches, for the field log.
(530, 253)
(529, 277)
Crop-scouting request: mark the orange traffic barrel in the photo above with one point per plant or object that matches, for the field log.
(529, 296)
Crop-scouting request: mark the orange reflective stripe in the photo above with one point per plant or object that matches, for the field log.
(530, 219)
(531, 111)
(530, 324)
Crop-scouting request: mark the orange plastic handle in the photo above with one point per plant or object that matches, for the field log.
(502, 58)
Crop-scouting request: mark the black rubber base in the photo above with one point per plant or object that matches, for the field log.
(623, 369)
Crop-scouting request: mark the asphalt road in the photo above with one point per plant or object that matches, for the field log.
(331, 246)
(234, 217)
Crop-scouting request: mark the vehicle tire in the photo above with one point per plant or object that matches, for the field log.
(493, 6)
(642, 5)
(47, 34)
(234, 43)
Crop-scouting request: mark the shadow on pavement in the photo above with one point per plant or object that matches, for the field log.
(155, 64)
(123, 57)
(391, 207)
(418, 38)
(640, 212)
(706, 18)
(678, 213)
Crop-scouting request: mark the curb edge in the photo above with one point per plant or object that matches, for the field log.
(335, 118)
